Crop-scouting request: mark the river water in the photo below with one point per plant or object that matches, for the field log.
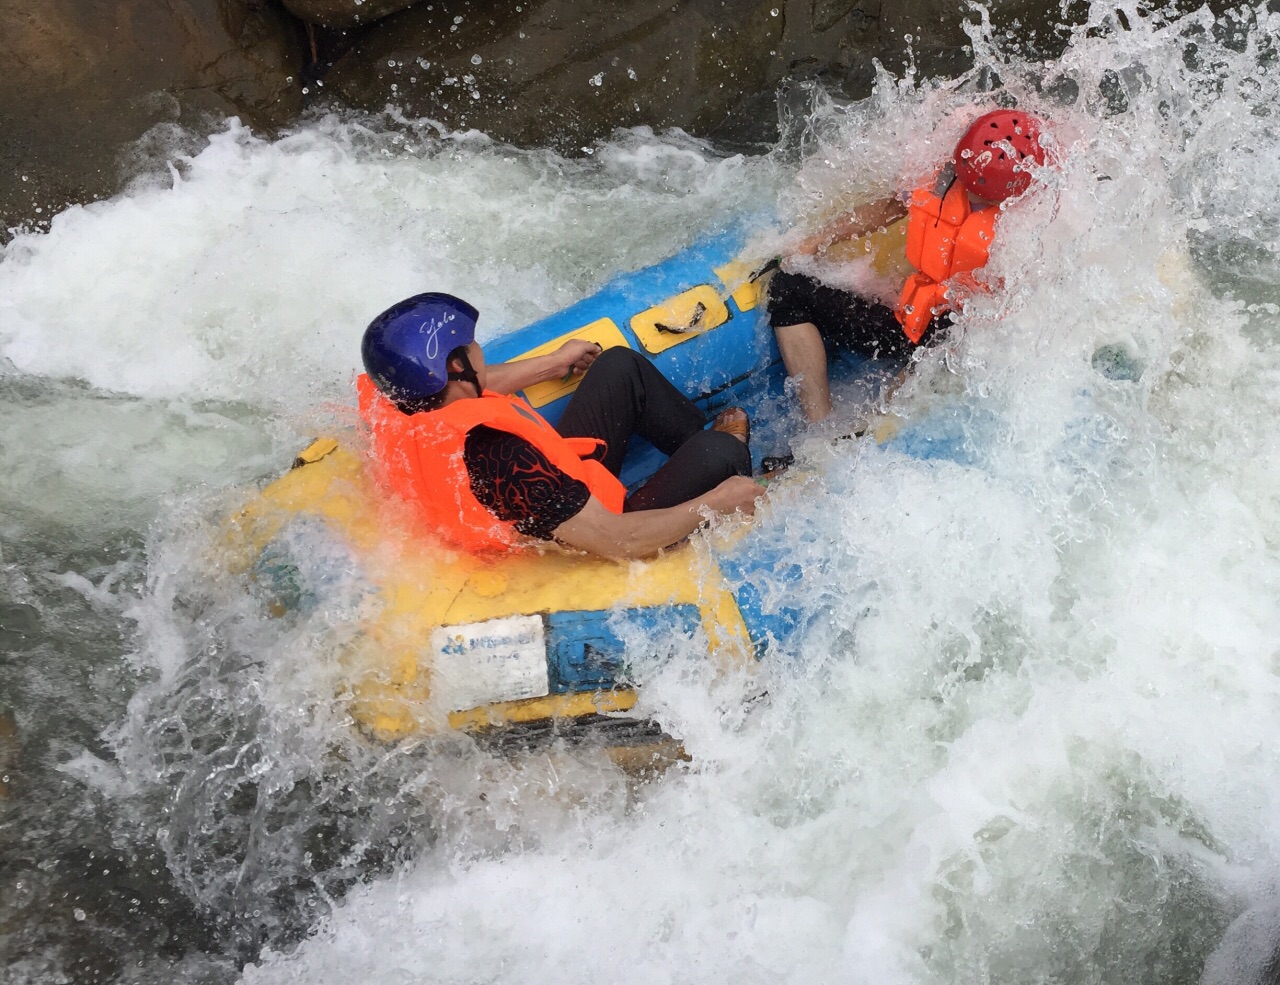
(1032, 733)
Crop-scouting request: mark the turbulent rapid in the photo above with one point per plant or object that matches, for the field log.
(1030, 733)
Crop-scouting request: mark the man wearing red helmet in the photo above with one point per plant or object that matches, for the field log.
(950, 227)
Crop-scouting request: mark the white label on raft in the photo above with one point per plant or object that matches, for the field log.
(482, 662)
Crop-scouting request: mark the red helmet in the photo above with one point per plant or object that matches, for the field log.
(990, 151)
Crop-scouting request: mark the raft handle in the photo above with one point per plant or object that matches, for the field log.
(318, 449)
(699, 310)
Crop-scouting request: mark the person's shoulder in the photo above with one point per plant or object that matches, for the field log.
(937, 184)
(487, 436)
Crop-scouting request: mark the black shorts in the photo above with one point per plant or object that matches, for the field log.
(843, 319)
(623, 394)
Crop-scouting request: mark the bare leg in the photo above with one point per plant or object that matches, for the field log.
(805, 356)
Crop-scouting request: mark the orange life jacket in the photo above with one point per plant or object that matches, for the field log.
(419, 457)
(946, 237)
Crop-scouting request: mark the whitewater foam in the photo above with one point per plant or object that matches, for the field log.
(1029, 730)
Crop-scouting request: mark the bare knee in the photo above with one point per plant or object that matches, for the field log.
(805, 356)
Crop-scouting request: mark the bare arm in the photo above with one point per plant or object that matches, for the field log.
(853, 225)
(634, 535)
(572, 357)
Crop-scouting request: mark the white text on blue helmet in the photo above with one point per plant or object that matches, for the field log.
(431, 328)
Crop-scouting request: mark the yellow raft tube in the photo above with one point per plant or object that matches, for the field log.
(533, 644)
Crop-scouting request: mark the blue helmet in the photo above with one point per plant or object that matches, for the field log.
(406, 348)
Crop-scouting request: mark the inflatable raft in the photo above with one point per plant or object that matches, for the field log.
(533, 644)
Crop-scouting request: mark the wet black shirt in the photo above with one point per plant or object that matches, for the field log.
(514, 481)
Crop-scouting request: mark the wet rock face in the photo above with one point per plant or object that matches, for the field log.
(83, 78)
(565, 72)
(342, 14)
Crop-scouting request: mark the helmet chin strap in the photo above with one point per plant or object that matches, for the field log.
(467, 373)
(953, 179)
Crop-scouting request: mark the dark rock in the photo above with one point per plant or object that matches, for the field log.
(83, 78)
(565, 73)
(561, 72)
(19, 624)
(342, 14)
(86, 77)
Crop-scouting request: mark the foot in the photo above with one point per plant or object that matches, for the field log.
(734, 421)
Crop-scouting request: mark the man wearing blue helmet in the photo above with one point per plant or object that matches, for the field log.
(488, 472)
